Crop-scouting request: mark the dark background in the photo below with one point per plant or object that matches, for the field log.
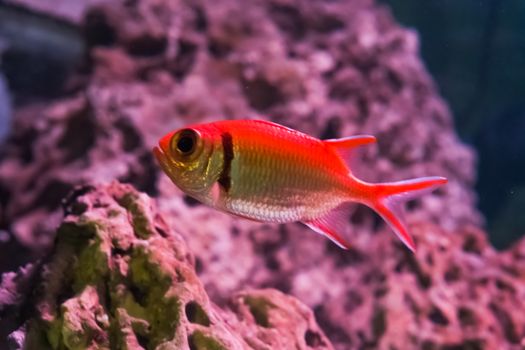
(475, 51)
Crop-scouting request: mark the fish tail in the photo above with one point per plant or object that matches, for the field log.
(387, 200)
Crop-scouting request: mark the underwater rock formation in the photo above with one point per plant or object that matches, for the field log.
(119, 277)
(330, 69)
(456, 292)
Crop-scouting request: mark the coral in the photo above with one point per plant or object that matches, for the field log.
(119, 277)
(456, 292)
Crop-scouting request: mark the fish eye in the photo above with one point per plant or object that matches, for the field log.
(186, 142)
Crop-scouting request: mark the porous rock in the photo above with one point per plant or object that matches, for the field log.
(119, 277)
(455, 292)
(328, 68)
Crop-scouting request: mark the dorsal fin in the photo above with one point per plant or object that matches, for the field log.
(345, 145)
(351, 141)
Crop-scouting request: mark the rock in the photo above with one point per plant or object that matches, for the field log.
(158, 65)
(456, 292)
(330, 69)
(119, 277)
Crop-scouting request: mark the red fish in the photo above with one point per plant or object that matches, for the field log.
(267, 172)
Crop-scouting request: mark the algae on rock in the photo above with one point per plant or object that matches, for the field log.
(119, 277)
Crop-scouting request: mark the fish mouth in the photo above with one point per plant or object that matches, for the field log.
(162, 159)
(159, 154)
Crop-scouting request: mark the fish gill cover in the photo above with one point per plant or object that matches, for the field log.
(330, 69)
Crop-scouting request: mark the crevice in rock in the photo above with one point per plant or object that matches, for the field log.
(196, 314)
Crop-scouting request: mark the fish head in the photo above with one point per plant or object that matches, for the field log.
(187, 156)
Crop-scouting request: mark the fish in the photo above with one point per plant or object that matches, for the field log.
(268, 172)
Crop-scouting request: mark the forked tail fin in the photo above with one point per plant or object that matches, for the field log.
(387, 200)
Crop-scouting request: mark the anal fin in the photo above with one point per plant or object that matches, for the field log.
(333, 225)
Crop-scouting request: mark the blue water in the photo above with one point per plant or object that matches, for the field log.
(5, 109)
(475, 51)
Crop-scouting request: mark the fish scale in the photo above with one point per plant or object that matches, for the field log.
(277, 186)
